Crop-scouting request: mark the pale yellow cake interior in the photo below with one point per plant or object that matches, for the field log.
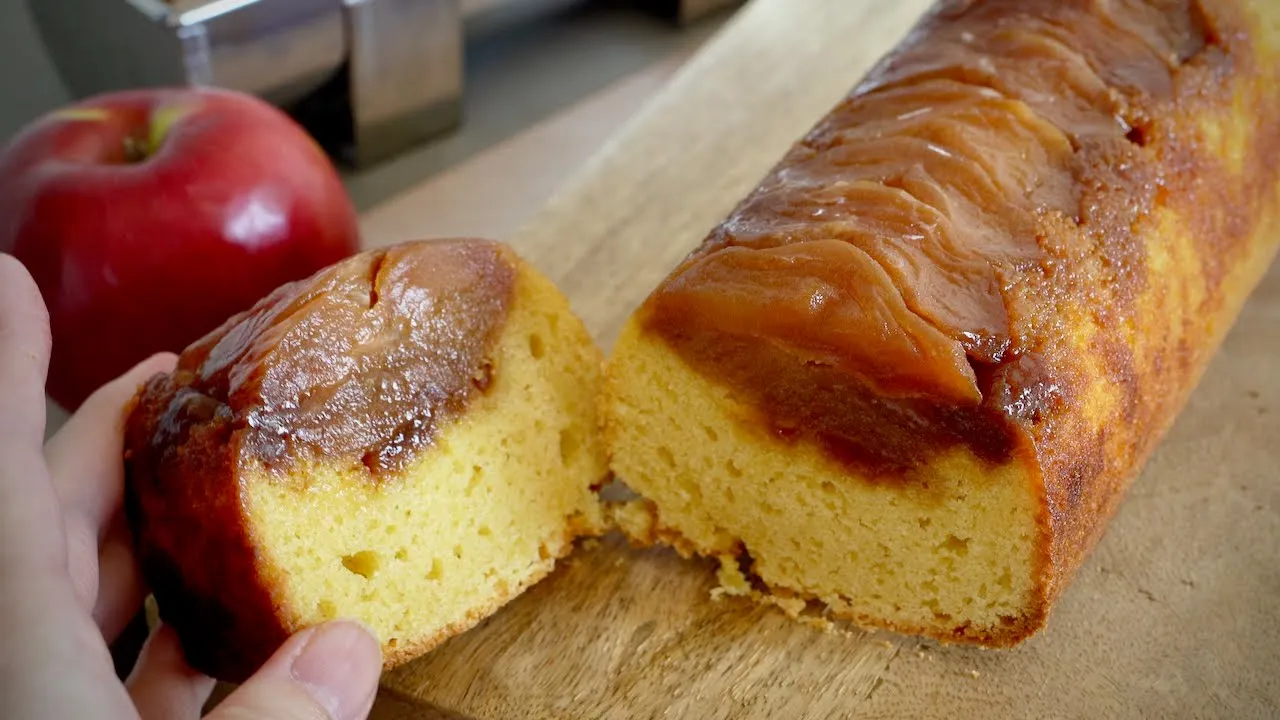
(955, 546)
(481, 515)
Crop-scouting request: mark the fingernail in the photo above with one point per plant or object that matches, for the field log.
(340, 666)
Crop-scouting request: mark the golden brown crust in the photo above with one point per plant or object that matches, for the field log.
(209, 585)
(314, 371)
(1153, 340)
(1024, 233)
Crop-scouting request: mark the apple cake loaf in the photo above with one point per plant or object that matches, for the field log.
(908, 379)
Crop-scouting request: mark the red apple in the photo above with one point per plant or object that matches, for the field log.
(148, 217)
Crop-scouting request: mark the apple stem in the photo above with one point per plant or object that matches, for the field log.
(136, 149)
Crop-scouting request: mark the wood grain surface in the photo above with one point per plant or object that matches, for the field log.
(1177, 613)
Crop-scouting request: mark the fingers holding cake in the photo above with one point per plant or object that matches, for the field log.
(24, 361)
(99, 550)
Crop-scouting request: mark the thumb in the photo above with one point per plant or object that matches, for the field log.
(329, 672)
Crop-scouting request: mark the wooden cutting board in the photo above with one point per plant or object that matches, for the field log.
(1177, 613)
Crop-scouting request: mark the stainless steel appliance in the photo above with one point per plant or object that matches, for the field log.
(372, 77)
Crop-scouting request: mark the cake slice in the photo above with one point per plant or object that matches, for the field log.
(408, 438)
(907, 381)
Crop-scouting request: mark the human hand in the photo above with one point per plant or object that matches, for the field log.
(69, 583)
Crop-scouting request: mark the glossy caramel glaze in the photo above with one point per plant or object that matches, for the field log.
(892, 288)
(359, 364)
